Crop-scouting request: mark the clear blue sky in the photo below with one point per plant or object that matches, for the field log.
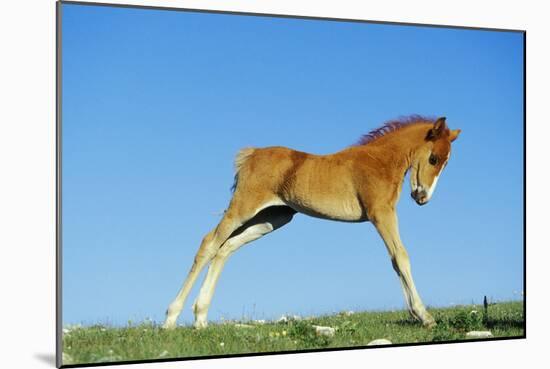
(157, 103)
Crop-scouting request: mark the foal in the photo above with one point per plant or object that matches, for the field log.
(358, 184)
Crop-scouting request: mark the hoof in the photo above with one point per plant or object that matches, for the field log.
(169, 322)
(200, 324)
(429, 322)
(168, 326)
(430, 325)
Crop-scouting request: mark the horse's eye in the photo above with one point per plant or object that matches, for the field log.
(433, 159)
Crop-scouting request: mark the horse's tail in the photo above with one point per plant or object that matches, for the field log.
(242, 156)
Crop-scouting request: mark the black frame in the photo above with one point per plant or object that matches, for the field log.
(58, 200)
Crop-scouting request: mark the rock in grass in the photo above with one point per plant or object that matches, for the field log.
(324, 331)
(379, 341)
(479, 334)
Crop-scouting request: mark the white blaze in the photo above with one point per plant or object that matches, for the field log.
(432, 187)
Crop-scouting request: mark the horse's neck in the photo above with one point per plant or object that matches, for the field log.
(390, 158)
(393, 152)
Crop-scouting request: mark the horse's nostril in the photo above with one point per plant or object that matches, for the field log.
(420, 196)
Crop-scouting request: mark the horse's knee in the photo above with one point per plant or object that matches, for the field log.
(399, 259)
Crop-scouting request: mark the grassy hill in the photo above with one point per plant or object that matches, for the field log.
(148, 341)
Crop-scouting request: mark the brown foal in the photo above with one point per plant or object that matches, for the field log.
(360, 183)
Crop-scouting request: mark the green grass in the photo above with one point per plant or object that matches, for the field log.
(148, 341)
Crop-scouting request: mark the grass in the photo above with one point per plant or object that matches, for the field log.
(148, 341)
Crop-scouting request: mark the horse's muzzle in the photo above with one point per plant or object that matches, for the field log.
(420, 196)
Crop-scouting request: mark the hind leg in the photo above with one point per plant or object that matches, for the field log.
(263, 223)
(238, 213)
(206, 251)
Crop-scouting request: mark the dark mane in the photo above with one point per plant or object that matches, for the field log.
(393, 125)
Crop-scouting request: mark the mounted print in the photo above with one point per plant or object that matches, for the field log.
(238, 184)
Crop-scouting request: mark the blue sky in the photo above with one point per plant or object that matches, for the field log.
(157, 103)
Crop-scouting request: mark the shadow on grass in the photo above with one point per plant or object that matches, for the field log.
(492, 323)
(407, 322)
(504, 323)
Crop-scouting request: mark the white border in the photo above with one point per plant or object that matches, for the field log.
(27, 185)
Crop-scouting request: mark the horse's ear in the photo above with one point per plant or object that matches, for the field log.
(453, 135)
(439, 127)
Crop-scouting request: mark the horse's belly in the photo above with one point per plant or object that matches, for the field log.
(345, 211)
